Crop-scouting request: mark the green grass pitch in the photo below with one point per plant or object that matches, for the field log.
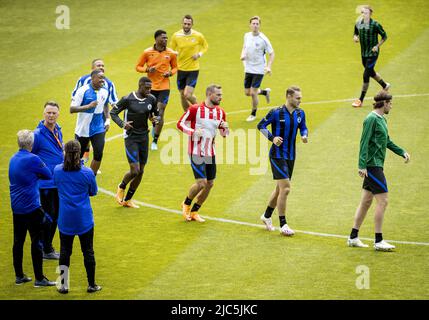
(152, 250)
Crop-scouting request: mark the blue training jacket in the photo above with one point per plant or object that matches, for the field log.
(25, 170)
(284, 124)
(74, 190)
(49, 149)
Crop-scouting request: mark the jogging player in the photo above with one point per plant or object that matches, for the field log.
(139, 107)
(285, 122)
(256, 46)
(190, 46)
(366, 32)
(160, 63)
(201, 123)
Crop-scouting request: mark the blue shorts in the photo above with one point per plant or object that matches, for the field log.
(282, 168)
(162, 96)
(187, 78)
(203, 167)
(376, 181)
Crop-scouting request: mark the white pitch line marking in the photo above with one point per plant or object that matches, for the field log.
(304, 103)
(318, 234)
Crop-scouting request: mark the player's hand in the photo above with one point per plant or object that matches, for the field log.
(374, 49)
(407, 157)
(355, 38)
(127, 125)
(196, 56)
(93, 104)
(155, 120)
(198, 133)
(151, 69)
(267, 70)
(304, 139)
(167, 74)
(278, 141)
(363, 173)
(224, 125)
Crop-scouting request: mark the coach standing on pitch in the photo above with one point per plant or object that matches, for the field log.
(48, 145)
(25, 170)
(285, 122)
(374, 141)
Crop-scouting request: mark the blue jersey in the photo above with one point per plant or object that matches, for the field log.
(91, 121)
(109, 85)
(48, 146)
(74, 189)
(25, 170)
(285, 125)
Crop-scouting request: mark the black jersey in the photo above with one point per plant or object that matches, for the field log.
(136, 110)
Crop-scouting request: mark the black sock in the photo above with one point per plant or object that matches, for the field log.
(362, 96)
(130, 194)
(263, 92)
(195, 207)
(188, 201)
(378, 237)
(268, 212)
(155, 138)
(354, 233)
(282, 221)
(382, 83)
(123, 185)
(253, 113)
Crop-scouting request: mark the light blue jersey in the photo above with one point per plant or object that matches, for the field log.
(90, 122)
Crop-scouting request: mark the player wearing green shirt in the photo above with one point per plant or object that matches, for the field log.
(366, 32)
(374, 141)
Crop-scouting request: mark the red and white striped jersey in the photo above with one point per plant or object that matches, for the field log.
(208, 120)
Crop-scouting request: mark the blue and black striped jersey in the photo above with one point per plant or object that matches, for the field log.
(285, 125)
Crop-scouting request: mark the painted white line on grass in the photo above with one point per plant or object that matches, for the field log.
(318, 234)
(304, 103)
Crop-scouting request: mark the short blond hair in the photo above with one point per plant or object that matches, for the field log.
(255, 18)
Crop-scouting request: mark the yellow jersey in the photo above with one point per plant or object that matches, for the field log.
(186, 45)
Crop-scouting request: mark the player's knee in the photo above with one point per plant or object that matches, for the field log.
(210, 184)
(384, 202)
(202, 184)
(284, 191)
(135, 171)
(366, 203)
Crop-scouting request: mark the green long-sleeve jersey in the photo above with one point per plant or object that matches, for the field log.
(374, 141)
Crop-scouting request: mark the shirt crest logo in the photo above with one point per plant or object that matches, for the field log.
(149, 107)
(298, 119)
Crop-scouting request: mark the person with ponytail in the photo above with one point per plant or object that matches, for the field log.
(75, 183)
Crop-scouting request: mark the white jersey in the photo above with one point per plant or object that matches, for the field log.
(255, 48)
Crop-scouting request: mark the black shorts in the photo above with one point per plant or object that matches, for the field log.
(162, 96)
(376, 181)
(136, 149)
(369, 62)
(282, 168)
(97, 142)
(50, 203)
(252, 80)
(203, 167)
(187, 78)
